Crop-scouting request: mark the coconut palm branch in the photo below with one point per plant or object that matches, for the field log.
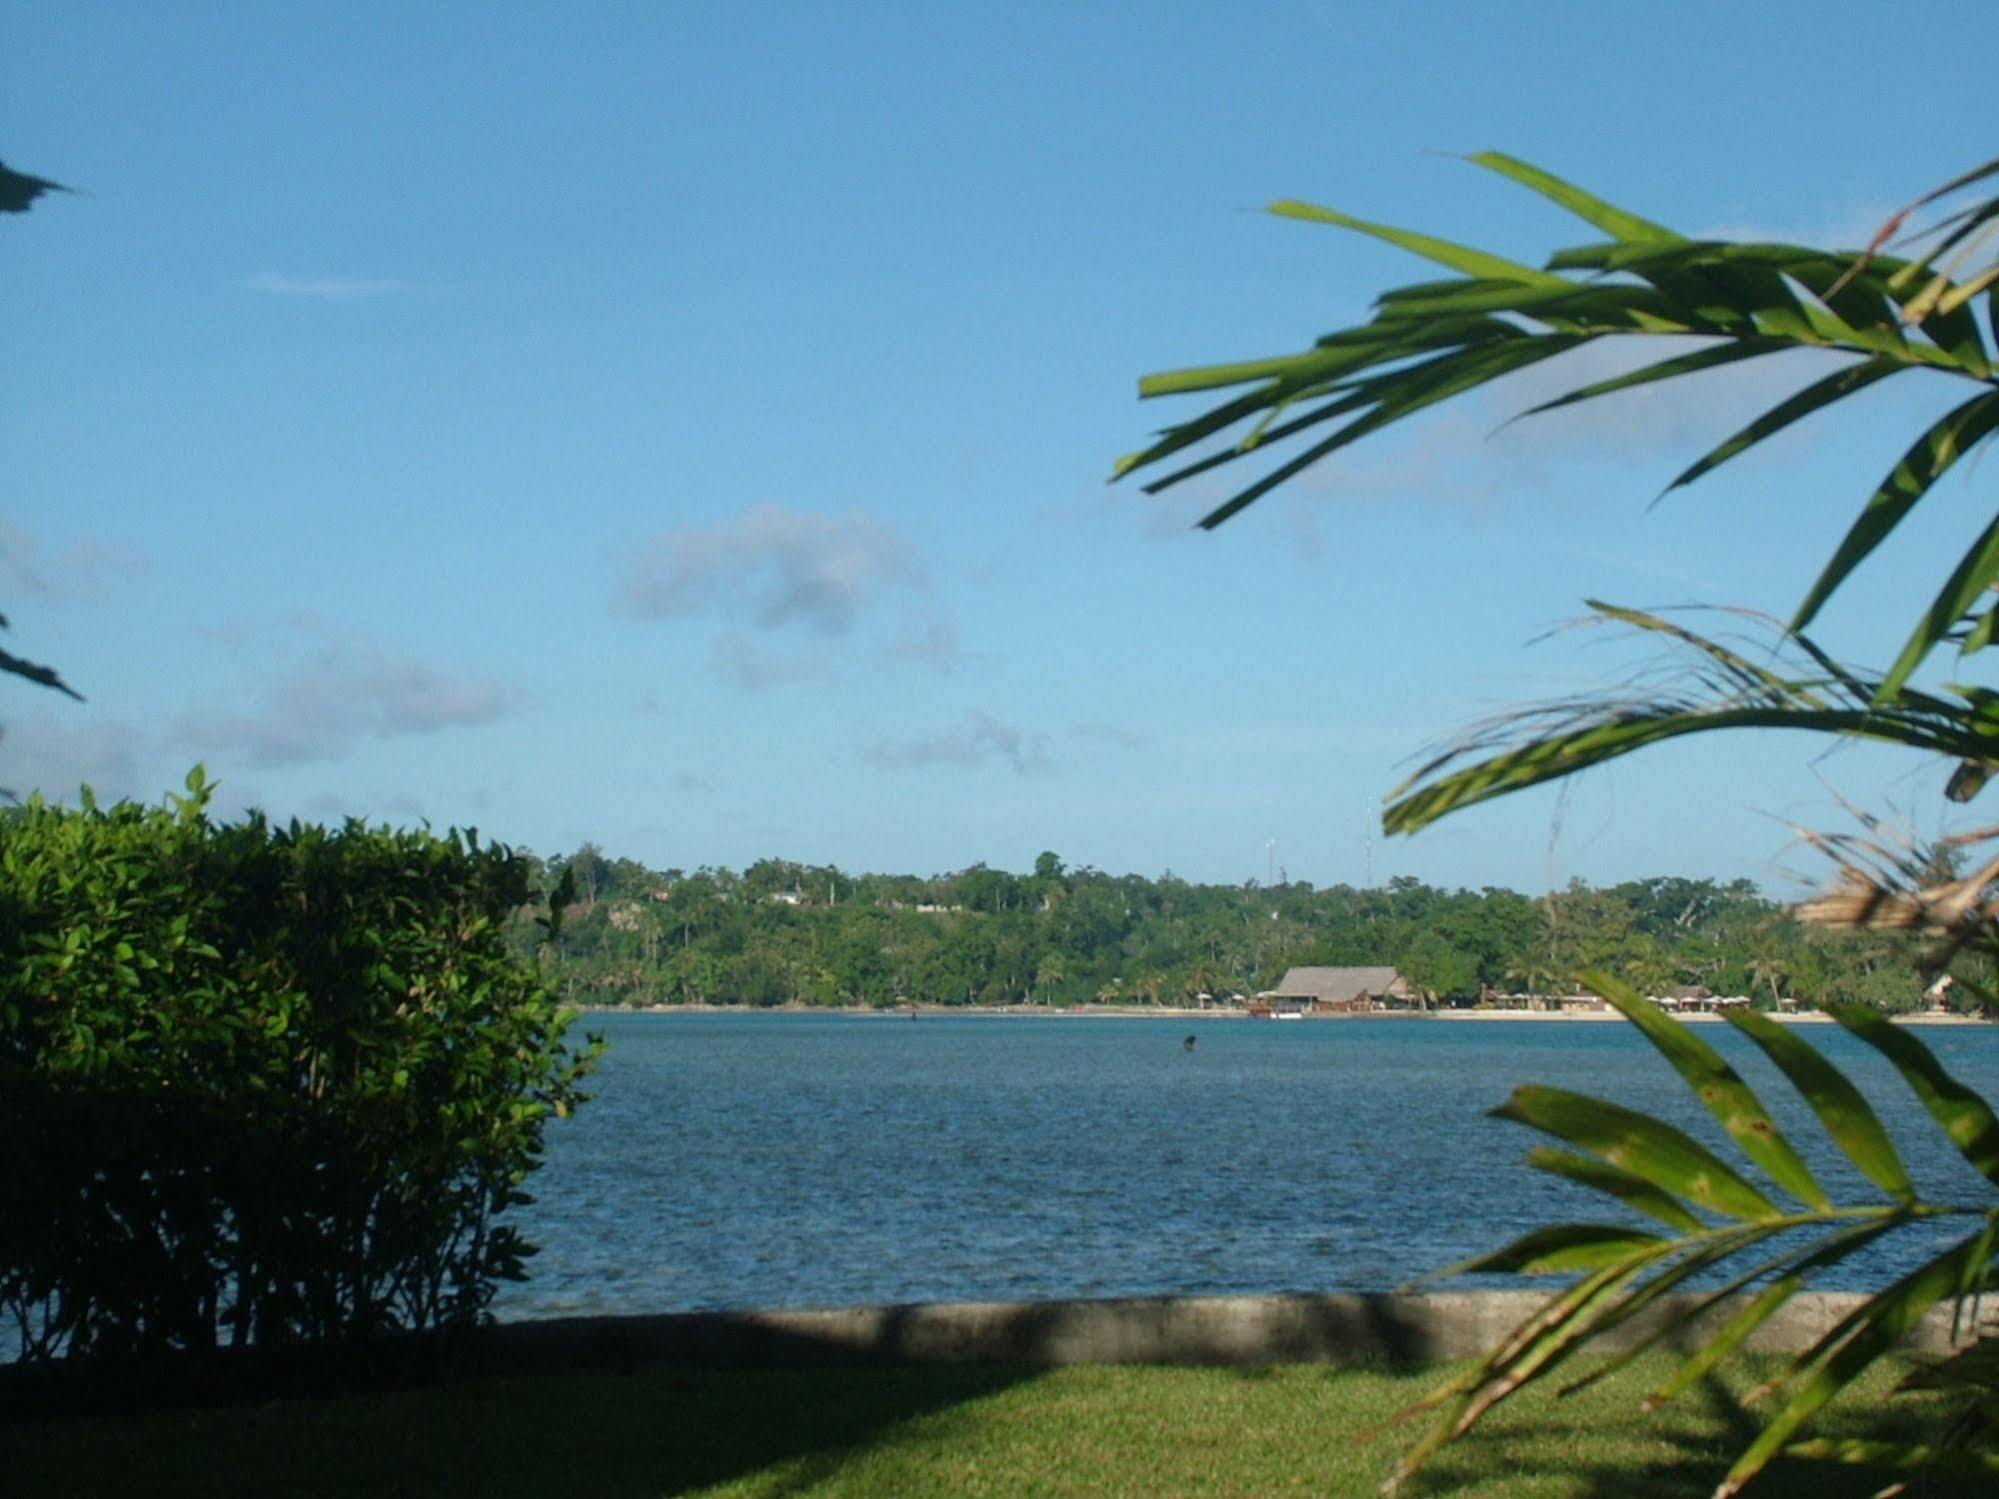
(1887, 315)
(1714, 686)
(1963, 235)
(1758, 1244)
(1434, 340)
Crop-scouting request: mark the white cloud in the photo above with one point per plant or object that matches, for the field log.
(56, 755)
(770, 567)
(754, 668)
(792, 596)
(926, 640)
(1112, 734)
(84, 571)
(980, 739)
(320, 709)
(330, 288)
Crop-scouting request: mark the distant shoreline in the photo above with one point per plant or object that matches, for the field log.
(1167, 1012)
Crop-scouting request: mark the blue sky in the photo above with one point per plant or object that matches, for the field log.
(685, 426)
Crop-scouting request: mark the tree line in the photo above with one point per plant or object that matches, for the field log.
(786, 933)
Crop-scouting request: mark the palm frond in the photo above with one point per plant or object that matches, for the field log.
(1436, 340)
(1706, 686)
(1754, 1237)
(1625, 1271)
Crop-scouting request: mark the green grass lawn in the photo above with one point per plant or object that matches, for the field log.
(1076, 1431)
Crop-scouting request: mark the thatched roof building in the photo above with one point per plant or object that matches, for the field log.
(1340, 988)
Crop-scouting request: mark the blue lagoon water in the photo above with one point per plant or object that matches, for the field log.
(802, 1160)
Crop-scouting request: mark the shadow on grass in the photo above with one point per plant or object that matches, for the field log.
(1680, 1451)
(627, 1406)
(892, 1400)
(82, 1388)
(608, 1437)
(474, 1419)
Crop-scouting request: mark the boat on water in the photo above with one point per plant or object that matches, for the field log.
(1262, 1011)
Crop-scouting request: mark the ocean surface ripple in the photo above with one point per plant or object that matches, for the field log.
(806, 1160)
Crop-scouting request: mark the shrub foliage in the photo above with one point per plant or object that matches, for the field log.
(260, 1084)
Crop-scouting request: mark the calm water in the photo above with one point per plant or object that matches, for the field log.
(797, 1160)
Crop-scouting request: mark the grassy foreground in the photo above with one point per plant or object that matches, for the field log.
(1074, 1431)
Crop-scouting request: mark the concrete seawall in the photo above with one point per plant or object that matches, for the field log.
(1331, 1328)
(1238, 1330)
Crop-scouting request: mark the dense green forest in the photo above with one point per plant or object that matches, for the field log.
(782, 933)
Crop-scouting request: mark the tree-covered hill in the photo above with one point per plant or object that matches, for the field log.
(783, 933)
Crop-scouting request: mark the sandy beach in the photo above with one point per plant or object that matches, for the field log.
(1168, 1012)
(1696, 1017)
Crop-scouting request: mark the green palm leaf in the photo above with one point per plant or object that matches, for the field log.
(1766, 1303)
(1717, 1085)
(1627, 1187)
(1656, 1169)
(1640, 1144)
(1881, 1322)
(1592, 210)
(1932, 456)
(1554, 1251)
(1848, 1118)
(1408, 392)
(1461, 258)
(1814, 397)
(1441, 338)
(1968, 581)
(1724, 689)
(1537, 1344)
(1961, 1113)
(1644, 280)
(1700, 360)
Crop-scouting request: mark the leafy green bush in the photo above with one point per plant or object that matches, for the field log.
(260, 1084)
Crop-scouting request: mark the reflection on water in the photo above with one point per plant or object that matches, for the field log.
(799, 1160)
